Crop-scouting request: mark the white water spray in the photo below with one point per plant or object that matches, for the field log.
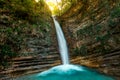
(61, 42)
(66, 71)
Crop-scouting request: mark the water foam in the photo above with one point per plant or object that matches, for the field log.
(71, 72)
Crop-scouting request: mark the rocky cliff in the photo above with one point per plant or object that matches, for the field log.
(26, 29)
(92, 29)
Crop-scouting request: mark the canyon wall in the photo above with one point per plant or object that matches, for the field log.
(92, 29)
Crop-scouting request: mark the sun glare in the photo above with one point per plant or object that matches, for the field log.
(37, 0)
(52, 3)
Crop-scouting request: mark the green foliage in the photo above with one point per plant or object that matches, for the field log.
(115, 12)
(95, 34)
(89, 31)
(22, 19)
(12, 37)
(2, 2)
(112, 23)
(100, 30)
(61, 7)
(6, 53)
(104, 45)
(102, 34)
(103, 39)
(81, 51)
(26, 9)
(66, 7)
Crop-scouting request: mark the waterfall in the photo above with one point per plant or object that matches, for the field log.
(66, 71)
(61, 42)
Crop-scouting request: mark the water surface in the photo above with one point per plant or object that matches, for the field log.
(67, 72)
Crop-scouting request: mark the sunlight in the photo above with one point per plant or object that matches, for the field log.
(51, 8)
(37, 0)
(53, 4)
(54, 1)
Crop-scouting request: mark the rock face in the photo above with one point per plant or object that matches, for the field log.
(26, 31)
(27, 34)
(92, 29)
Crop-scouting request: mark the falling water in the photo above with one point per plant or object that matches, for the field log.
(61, 42)
(68, 71)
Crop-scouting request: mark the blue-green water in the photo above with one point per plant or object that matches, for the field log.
(67, 72)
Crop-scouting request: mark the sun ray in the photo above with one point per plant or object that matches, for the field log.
(54, 1)
(37, 0)
(53, 5)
